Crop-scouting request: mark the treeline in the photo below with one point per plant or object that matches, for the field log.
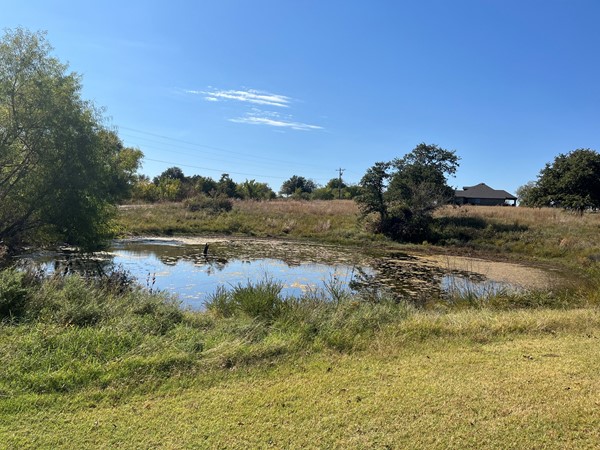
(174, 186)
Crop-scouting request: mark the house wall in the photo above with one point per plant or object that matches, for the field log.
(479, 201)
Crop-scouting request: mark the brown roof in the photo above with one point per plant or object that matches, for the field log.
(482, 190)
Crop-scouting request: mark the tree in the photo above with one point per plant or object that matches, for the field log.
(419, 180)
(203, 185)
(227, 187)
(373, 187)
(297, 185)
(61, 169)
(173, 173)
(253, 190)
(526, 194)
(405, 192)
(572, 181)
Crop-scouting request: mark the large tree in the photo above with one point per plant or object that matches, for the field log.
(405, 192)
(572, 181)
(61, 169)
(419, 180)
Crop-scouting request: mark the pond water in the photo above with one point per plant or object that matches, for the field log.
(184, 268)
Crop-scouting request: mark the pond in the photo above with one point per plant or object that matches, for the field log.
(194, 269)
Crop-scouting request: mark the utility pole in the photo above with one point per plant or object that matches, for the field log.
(341, 171)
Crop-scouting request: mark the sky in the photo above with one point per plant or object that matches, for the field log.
(267, 89)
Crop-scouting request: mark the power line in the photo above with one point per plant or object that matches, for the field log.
(209, 147)
(188, 153)
(213, 170)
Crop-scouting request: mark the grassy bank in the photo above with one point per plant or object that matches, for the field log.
(542, 233)
(103, 363)
(524, 379)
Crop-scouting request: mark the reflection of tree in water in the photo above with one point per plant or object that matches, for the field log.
(86, 264)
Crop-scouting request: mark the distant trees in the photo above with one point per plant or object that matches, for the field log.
(253, 190)
(61, 169)
(297, 186)
(335, 189)
(173, 185)
(572, 181)
(405, 192)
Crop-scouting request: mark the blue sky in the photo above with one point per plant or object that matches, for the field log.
(266, 89)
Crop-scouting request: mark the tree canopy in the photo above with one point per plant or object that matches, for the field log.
(572, 181)
(297, 185)
(405, 192)
(61, 169)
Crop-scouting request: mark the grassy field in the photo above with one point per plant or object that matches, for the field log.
(103, 364)
(325, 220)
(534, 233)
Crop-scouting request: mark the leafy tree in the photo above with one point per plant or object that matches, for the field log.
(170, 189)
(335, 183)
(323, 193)
(61, 169)
(572, 181)
(227, 187)
(526, 194)
(405, 192)
(203, 185)
(373, 187)
(173, 173)
(297, 185)
(145, 190)
(252, 190)
(419, 179)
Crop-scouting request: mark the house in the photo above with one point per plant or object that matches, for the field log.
(482, 194)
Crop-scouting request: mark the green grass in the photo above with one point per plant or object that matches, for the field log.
(499, 379)
(104, 364)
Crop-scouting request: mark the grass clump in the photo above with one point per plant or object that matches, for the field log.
(13, 294)
(260, 300)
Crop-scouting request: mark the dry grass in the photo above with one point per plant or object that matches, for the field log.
(535, 217)
(545, 233)
(333, 221)
(299, 207)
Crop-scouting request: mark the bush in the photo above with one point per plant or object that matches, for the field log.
(216, 204)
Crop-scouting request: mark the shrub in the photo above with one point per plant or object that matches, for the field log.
(215, 204)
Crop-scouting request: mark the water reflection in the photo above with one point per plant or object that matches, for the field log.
(194, 274)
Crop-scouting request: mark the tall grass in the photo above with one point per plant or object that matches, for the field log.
(65, 333)
(543, 233)
(335, 220)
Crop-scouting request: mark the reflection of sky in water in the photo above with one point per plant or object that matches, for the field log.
(194, 280)
(185, 271)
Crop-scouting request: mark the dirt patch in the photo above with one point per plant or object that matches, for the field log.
(515, 274)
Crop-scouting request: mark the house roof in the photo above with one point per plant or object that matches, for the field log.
(482, 190)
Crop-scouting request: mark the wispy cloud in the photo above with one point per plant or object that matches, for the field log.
(248, 96)
(280, 123)
(253, 100)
